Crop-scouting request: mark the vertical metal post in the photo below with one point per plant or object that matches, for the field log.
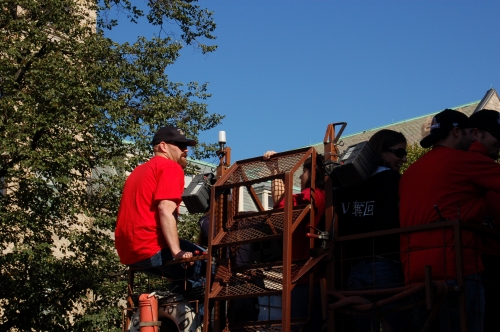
(287, 256)
(460, 274)
(217, 205)
(331, 154)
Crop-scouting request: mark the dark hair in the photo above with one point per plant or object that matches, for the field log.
(384, 139)
(320, 174)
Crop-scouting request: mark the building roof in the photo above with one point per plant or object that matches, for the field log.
(417, 128)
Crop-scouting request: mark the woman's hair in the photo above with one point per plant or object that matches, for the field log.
(384, 139)
(320, 173)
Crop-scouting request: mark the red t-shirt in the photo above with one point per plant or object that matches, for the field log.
(456, 181)
(300, 241)
(492, 207)
(138, 233)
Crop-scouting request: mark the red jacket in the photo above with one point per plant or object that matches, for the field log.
(456, 181)
(300, 241)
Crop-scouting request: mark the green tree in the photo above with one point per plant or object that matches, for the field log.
(71, 101)
(415, 151)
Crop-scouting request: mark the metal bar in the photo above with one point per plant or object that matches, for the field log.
(423, 227)
(222, 297)
(307, 208)
(429, 300)
(460, 276)
(312, 212)
(216, 216)
(260, 239)
(312, 262)
(324, 298)
(287, 255)
(274, 156)
(331, 154)
(255, 199)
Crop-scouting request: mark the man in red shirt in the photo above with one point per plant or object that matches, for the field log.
(146, 228)
(486, 129)
(454, 182)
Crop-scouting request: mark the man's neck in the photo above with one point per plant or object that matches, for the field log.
(161, 154)
(449, 142)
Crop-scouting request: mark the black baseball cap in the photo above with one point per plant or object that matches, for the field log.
(441, 125)
(171, 134)
(487, 120)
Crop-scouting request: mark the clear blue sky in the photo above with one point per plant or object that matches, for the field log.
(284, 69)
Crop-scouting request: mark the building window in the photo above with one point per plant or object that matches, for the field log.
(266, 199)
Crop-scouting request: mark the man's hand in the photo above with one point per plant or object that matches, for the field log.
(183, 254)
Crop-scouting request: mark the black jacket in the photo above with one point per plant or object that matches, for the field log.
(371, 206)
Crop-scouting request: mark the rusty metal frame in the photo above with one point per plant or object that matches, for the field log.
(227, 219)
(331, 142)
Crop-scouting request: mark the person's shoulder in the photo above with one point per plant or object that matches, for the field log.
(387, 174)
(165, 164)
(319, 192)
(430, 158)
(385, 179)
(158, 160)
(479, 151)
(307, 192)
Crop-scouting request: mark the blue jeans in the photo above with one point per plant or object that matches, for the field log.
(380, 273)
(448, 318)
(154, 264)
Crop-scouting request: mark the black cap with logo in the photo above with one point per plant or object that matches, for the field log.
(486, 120)
(441, 125)
(171, 134)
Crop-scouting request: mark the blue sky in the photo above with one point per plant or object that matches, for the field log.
(285, 69)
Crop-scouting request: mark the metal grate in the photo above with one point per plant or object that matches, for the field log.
(261, 169)
(256, 227)
(252, 281)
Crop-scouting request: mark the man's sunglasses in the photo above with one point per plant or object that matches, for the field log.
(400, 153)
(181, 146)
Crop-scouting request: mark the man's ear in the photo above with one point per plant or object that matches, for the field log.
(475, 133)
(456, 132)
(162, 147)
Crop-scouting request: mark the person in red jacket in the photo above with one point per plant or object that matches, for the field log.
(450, 183)
(146, 227)
(300, 242)
(486, 129)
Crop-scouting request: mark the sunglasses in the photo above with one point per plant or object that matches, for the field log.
(400, 153)
(181, 146)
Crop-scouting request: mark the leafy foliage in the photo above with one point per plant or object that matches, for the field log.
(189, 227)
(415, 151)
(71, 102)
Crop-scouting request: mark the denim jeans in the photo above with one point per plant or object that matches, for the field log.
(380, 273)
(448, 318)
(154, 264)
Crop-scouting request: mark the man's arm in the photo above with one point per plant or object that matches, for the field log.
(168, 222)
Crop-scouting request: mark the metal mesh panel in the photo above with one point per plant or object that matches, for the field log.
(260, 169)
(255, 227)
(252, 282)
